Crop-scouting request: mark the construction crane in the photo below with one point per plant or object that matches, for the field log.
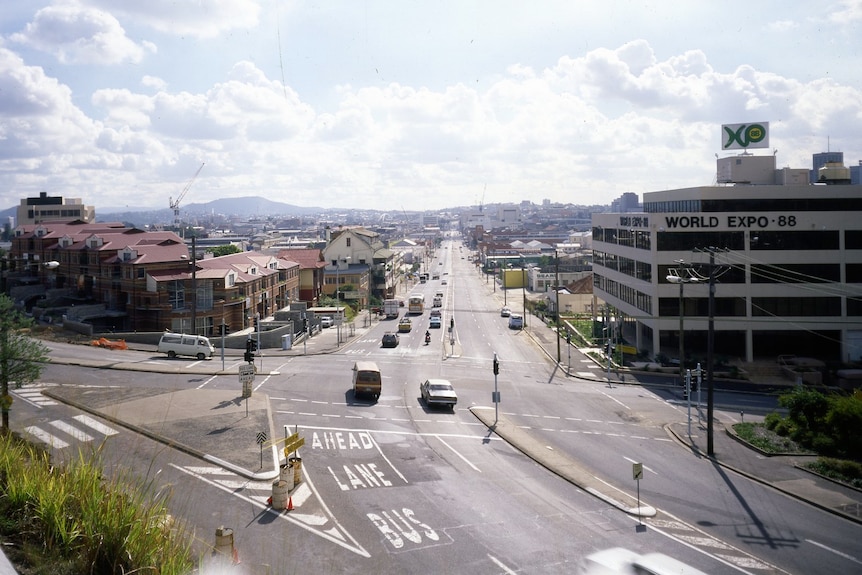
(175, 204)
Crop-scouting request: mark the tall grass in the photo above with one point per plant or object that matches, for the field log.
(70, 519)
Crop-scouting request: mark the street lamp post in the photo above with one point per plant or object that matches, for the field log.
(524, 290)
(557, 305)
(678, 278)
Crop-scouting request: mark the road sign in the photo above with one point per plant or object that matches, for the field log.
(637, 471)
(246, 373)
(292, 443)
(261, 437)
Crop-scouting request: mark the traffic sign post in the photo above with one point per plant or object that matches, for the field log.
(246, 378)
(637, 475)
(261, 439)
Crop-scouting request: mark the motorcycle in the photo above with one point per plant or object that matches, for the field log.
(427, 338)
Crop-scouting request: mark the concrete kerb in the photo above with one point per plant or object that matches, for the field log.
(560, 464)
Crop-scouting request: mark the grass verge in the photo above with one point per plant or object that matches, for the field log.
(758, 435)
(69, 519)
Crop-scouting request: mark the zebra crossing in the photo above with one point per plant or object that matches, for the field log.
(32, 394)
(61, 433)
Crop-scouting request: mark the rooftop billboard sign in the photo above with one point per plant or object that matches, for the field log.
(744, 136)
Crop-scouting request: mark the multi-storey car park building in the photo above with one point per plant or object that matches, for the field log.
(788, 265)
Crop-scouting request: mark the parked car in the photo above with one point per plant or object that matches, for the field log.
(438, 392)
(390, 339)
(326, 321)
(516, 322)
(505, 312)
(405, 325)
(435, 322)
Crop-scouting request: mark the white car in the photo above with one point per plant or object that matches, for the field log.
(325, 321)
(505, 312)
(438, 392)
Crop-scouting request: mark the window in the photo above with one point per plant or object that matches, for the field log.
(176, 294)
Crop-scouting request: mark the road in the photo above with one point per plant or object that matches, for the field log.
(391, 486)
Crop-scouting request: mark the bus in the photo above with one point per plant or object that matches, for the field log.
(416, 304)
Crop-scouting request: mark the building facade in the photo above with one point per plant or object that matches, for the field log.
(786, 262)
(47, 208)
(126, 279)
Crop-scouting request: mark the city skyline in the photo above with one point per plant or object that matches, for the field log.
(416, 107)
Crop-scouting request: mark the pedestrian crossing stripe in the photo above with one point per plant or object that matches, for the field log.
(679, 530)
(70, 430)
(32, 394)
(46, 437)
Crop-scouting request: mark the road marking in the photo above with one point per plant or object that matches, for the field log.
(318, 519)
(97, 425)
(839, 553)
(694, 538)
(71, 430)
(468, 462)
(32, 394)
(500, 564)
(615, 399)
(204, 384)
(46, 437)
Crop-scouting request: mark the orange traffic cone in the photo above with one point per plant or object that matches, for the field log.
(290, 503)
(235, 556)
(269, 501)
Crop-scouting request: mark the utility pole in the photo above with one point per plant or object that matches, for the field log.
(714, 271)
(710, 344)
(557, 289)
(194, 285)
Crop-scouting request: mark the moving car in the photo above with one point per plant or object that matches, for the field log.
(516, 321)
(405, 325)
(505, 312)
(438, 392)
(390, 339)
(435, 321)
(436, 312)
(325, 321)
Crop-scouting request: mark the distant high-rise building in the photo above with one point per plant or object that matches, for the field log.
(47, 208)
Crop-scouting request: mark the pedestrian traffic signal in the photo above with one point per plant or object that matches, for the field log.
(496, 367)
(249, 357)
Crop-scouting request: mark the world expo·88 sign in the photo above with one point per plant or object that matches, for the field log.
(744, 136)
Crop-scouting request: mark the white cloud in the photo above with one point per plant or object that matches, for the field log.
(582, 126)
(189, 18)
(77, 34)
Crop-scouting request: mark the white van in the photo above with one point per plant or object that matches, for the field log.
(175, 344)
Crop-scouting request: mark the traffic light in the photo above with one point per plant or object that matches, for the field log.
(250, 345)
(305, 324)
(248, 356)
(496, 367)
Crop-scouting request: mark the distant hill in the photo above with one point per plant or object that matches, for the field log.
(248, 206)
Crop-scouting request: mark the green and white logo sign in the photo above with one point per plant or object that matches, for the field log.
(744, 136)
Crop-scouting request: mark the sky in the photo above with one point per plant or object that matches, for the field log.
(412, 104)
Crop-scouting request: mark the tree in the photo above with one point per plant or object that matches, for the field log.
(224, 250)
(21, 357)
